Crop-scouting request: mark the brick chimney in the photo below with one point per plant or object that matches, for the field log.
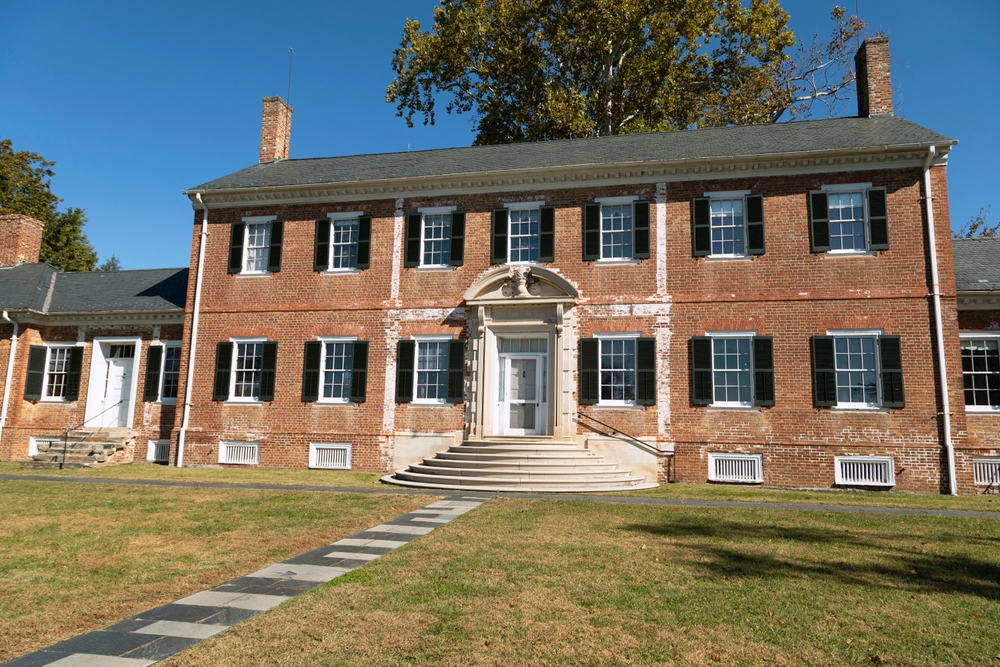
(20, 239)
(874, 85)
(275, 130)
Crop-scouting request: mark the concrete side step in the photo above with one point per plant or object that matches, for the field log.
(587, 482)
(393, 479)
(518, 474)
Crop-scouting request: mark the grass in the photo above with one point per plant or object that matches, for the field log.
(541, 582)
(75, 558)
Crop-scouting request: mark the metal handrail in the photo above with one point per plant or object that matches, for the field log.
(66, 432)
(623, 434)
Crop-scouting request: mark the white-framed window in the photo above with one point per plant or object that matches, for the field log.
(158, 451)
(431, 369)
(732, 369)
(239, 453)
(170, 372)
(617, 368)
(523, 238)
(849, 217)
(857, 369)
(981, 371)
(435, 238)
(330, 455)
(344, 241)
(728, 227)
(616, 230)
(256, 244)
(336, 361)
(57, 370)
(248, 359)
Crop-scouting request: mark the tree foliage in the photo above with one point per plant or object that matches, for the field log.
(111, 264)
(25, 189)
(529, 70)
(979, 227)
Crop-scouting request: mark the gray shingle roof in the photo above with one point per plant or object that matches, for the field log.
(977, 264)
(745, 141)
(28, 286)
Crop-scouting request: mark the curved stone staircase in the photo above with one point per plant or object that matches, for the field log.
(518, 464)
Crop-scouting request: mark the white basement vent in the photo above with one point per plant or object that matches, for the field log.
(739, 468)
(865, 470)
(158, 451)
(244, 453)
(330, 456)
(987, 471)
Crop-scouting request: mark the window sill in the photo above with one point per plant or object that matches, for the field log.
(333, 403)
(844, 408)
(618, 406)
(432, 404)
(167, 401)
(342, 272)
(230, 402)
(616, 262)
(435, 268)
(725, 258)
(983, 409)
(53, 400)
(255, 274)
(851, 253)
(742, 408)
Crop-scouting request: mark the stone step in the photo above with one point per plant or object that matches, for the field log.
(407, 478)
(521, 474)
(101, 434)
(566, 459)
(55, 465)
(518, 450)
(591, 463)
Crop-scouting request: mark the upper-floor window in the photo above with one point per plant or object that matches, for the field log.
(245, 370)
(163, 371)
(727, 225)
(343, 243)
(616, 230)
(848, 219)
(981, 372)
(344, 247)
(732, 369)
(857, 369)
(523, 233)
(255, 246)
(435, 238)
(53, 373)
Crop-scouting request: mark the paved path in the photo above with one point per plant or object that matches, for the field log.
(159, 633)
(630, 500)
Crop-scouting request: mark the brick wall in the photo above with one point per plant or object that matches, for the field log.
(20, 239)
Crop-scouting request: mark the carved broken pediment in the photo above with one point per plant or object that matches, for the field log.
(521, 283)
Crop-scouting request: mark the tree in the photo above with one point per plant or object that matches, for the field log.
(979, 227)
(529, 70)
(25, 189)
(111, 264)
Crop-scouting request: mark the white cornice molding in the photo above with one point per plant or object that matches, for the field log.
(99, 318)
(979, 300)
(552, 178)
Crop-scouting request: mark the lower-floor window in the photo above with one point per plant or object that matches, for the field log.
(57, 371)
(337, 363)
(981, 372)
(432, 370)
(857, 371)
(246, 377)
(171, 371)
(617, 371)
(731, 371)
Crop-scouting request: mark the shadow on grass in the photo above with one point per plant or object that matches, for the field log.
(735, 549)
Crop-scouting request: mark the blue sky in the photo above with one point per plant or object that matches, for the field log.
(136, 101)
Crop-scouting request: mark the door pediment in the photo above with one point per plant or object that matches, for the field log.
(523, 285)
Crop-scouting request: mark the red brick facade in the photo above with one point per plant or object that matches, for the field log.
(20, 239)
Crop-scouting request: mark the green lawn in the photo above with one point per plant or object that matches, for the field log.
(541, 582)
(78, 557)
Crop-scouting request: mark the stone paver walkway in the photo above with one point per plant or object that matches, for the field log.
(159, 633)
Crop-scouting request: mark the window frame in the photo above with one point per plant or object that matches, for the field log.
(436, 210)
(979, 336)
(49, 346)
(443, 388)
(850, 188)
(256, 220)
(616, 201)
(633, 336)
(524, 206)
(334, 218)
(874, 334)
(237, 341)
(727, 335)
(730, 195)
(322, 369)
(165, 345)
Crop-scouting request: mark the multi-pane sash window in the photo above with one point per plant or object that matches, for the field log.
(524, 237)
(171, 371)
(337, 364)
(432, 371)
(847, 221)
(57, 372)
(857, 371)
(850, 218)
(732, 371)
(728, 228)
(981, 373)
(247, 370)
(344, 248)
(436, 239)
(258, 243)
(616, 231)
(618, 371)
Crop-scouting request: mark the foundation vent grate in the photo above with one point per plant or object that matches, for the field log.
(738, 468)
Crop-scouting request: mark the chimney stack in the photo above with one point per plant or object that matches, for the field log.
(275, 130)
(20, 239)
(874, 85)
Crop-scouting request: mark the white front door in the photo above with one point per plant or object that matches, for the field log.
(117, 386)
(522, 404)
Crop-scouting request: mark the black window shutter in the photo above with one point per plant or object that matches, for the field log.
(73, 374)
(498, 243)
(223, 368)
(590, 373)
(236, 247)
(405, 352)
(364, 258)
(640, 230)
(359, 372)
(824, 371)
(311, 371)
(701, 371)
(274, 253)
(701, 227)
(456, 371)
(412, 255)
(547, 234)
(456, 257)
(819, 221)
(891, 358)
(268, 369)
(35, 381)
(755, 224)
(763, 371)
(645, 371)
(154, 359)
(878, 220)
(591, 233)
(321, 252)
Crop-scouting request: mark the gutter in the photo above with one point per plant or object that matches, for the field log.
(10, 373)
(185, 421)
(938, 326)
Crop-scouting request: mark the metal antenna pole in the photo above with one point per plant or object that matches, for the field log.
(291, 52)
